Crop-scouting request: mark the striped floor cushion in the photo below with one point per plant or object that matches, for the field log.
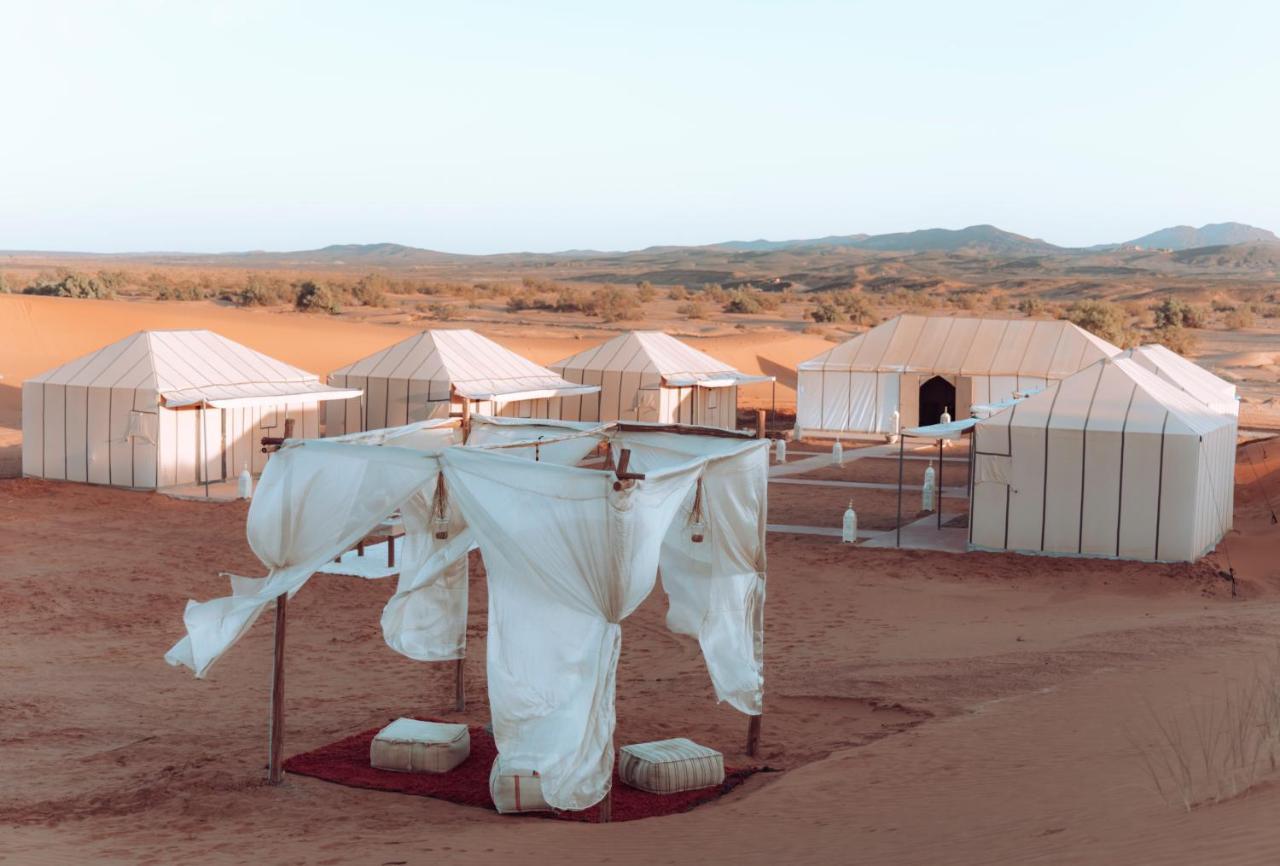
(515, 790)
(670, 766)
(413, 746)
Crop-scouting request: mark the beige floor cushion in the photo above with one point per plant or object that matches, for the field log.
(515, 790)
(669, 766)
(411, 746)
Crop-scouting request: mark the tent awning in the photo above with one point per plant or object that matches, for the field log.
(254, 394)
(522, 390)
(726, 379)
(952, 430)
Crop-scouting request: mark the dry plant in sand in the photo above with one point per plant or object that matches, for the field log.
(1216, 748)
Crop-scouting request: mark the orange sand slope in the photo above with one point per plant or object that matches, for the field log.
(922, 708)
(38, 333)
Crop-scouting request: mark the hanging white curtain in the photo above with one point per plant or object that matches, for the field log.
(568, 558)
(315, 500)
(716, 588)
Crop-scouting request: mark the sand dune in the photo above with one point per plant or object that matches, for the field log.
(37, 333)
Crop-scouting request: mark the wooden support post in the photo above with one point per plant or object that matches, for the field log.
(275, 764)
(391, 551)
(901, 453)
(466, 419)
(753, 735)
(360, 547)
(459, 686)
(760, 423)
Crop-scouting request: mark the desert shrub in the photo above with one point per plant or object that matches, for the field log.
(260, 291)
(1031, 306)
(518, 303)
(714, 293)
(313, 297)
(1239, 318)
(827, 313)
(678, 293)
(443, 312)
(743, 302)
(1222, 305)
(1175, 338)
(4, 285)
(856, 307)
(1101, 318)
(70, 284)
(615, 304)
(1177, 313)
(371, 290)
(692, 310)
(571, 300)
(645, 292)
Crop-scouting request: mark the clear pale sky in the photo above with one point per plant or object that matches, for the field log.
(500, 126)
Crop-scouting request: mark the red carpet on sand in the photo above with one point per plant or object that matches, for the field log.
(346, 762)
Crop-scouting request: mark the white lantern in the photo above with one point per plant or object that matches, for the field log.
(849, 530)
(946, 416)
(244, 489)
(929, 489)
(781, 450)
(837, 453)
(897, 422)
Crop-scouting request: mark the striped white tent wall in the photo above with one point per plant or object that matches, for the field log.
(856, 386)
(427, 375)
(652, 376)
(1112, 461)
(130, 414)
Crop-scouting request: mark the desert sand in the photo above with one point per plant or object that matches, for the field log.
(920, 707)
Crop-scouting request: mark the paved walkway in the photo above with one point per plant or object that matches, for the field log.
(947, 492)
(924, 534)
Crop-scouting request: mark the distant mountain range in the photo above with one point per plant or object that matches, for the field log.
(1211, 235)
(991, 240)
(980, 240)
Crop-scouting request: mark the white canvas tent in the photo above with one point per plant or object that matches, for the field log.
(569, 554)
(430, 375)
(1113, 461)
(164, 408)
(651, 376)
(1213, 391)
(921, 365)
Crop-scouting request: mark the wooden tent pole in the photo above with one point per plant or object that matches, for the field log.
(459, 686)
(275, 772)
(466, 419)
(753, 734)
(759, 423)
(901, 452)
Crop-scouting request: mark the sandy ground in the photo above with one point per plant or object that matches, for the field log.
(920, 708)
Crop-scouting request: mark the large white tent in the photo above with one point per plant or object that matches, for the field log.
(1213, 391)
(569, 553)
(164, 408)
(651, 376)
(429, 375)
(920, 366)
(1113, 461)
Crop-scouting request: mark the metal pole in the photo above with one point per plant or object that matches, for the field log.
(773, 404)
(902, 440)
(275, 772)
(939, 502)
(204, 445)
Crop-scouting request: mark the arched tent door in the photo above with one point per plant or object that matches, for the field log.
(936, 395)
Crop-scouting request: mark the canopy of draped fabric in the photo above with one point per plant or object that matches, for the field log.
(568, 557)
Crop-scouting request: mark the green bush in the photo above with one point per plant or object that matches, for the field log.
(1101, 318)
(313, 297)
(692, 310)
(69, 284)
(743, 302)
(827, 313)
(615, 304)
(1177, 313)
(371, 290)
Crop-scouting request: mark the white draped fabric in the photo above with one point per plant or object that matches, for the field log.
(313, 502)
(551, 441)
(568, 558)
(716, 587)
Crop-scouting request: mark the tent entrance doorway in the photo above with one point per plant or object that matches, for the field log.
(936, 396)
